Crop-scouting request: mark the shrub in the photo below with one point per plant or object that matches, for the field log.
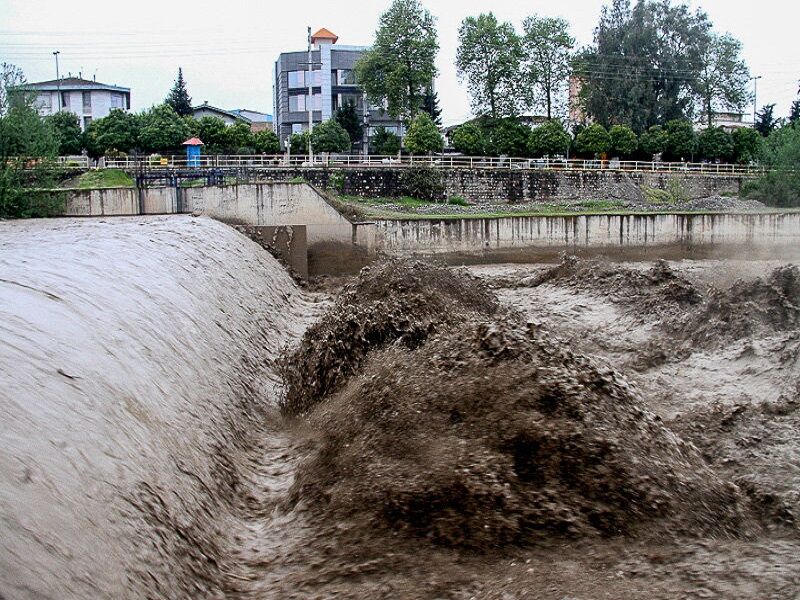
(681, 140)
(747, 145)
(715, 144)
(508, 137)
(623, 140)
(674, 193)
(469, 139)
(549, 139)
(423, 136)
(336, 181)
(425, 183)
(385, 142)
(653, 141)
(593, 140)
(330, 136)
(298, 143)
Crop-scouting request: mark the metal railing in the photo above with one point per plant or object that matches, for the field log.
(443, 161)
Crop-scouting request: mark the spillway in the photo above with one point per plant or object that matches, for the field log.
(136, 367)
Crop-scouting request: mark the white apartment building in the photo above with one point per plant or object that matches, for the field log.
(87, 99)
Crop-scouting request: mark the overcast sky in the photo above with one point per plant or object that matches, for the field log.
(227, 49)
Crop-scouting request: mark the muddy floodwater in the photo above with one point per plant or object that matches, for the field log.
(179, 419)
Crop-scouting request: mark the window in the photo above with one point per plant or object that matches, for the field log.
(355, 99)
(65, 100)
(346, 77)
(297, 103)
(45, 102)
(297, 79)
(299, 127)
(316, 102)
(87, 102)
(116, 100)
(86, 121)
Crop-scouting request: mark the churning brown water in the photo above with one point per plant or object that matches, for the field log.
(135, 365)
(585, 431)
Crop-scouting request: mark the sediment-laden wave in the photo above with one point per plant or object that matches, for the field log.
(136, 362)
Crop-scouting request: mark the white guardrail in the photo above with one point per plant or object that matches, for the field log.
(446, 161)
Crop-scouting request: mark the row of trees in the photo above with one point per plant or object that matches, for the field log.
(158, 129)
(508, 73)
(650, 63)
(675, 141)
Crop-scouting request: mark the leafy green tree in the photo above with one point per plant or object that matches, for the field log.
(781, 185)
(162, 130)
(266, 142)
(67, 129)
(766, 122)
(681, 140)
(430, 105)
(488, 58)
(469, 139)
(349, 119)
(747, 144)
(27, 146)
(298, 143)
(385, 143)
(238, 138)
(507, 137)
(593, 140)
(212, 132)
(12, 82)
(119, 130)
(548, 139)
(644, 64)
(547, 46)
(654, 140)
(722, 81)
(330, 137)
(714, 143)
(179, 98)
(423, 136)
(623, 140)
(400, 65)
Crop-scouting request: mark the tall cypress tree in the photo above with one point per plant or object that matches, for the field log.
(430, 105)
(179, 98)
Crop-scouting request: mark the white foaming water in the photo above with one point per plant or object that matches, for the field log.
(136, 361)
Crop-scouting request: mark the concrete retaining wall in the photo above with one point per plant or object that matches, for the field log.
(576, 233)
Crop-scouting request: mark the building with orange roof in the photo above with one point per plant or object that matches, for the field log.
(332, 82)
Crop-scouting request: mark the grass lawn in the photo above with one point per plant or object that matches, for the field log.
(104, 178)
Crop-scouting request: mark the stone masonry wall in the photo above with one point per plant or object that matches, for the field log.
(513, 186)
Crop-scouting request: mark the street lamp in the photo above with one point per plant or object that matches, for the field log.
(58, 79)
(755, 96)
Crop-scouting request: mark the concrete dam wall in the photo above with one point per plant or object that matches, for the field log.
(575, 233)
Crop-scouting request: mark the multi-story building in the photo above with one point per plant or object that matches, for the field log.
(332, 82)
(87, 99)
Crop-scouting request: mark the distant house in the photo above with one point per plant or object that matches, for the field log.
(206, 110)
(87, 99)
(729, 121)
(257, 121)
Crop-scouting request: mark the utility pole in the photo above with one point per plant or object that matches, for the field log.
(310, 98)
(755, 96)
(58, 79)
